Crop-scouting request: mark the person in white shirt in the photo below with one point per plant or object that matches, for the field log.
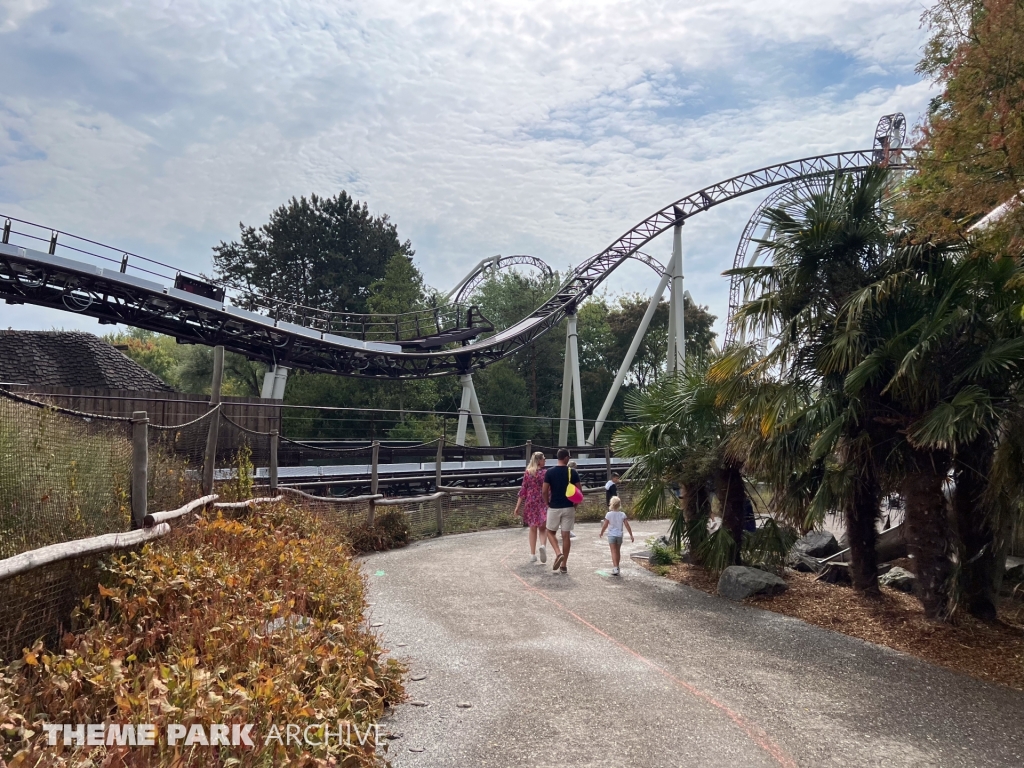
(614, 522)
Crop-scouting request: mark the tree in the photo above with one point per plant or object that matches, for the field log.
(321, 252)
(399, 290)
(684, 436)
(971, 149)
(507, 298)
(942, 330)
(823, 248)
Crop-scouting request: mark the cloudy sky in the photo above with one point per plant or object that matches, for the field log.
(545, 128)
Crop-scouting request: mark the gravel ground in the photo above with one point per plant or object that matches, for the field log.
(522, 666)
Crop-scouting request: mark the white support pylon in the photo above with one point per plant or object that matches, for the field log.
(577, 389)
(572, 392)
(627, 362)
(470, 407)
(478, 418)
(563, 423)
(677, 330)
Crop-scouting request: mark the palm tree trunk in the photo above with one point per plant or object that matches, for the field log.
(861, 514)
(731, 495)
(696, 503)
(978, 546)
(928, 529)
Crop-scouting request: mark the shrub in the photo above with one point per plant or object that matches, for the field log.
(390, 530)
(230, 621)
(662, 555)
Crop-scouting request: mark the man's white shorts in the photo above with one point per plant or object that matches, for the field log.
(563, 517)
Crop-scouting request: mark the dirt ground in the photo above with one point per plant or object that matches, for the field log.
(992, 652)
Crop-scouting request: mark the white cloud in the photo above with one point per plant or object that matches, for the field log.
(511, 127)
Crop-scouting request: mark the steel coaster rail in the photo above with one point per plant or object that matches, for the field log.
(30, 276)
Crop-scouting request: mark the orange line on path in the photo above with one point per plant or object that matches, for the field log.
(755, 734)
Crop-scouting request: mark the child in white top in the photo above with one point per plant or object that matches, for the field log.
(613, 523)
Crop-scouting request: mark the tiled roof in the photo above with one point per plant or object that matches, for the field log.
(70, 359)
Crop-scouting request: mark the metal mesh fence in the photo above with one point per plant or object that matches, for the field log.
(40, 603)
(176, 462)
(62, 476)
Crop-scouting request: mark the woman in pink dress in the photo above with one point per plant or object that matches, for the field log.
(535, 511)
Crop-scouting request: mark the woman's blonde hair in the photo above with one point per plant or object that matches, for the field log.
(535, 461)
(615, 504)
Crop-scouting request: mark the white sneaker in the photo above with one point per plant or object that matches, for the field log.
(533, 558)
(543, 554)
(615, 571)
(572, 535)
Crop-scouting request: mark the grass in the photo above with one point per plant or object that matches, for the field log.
(258, 620)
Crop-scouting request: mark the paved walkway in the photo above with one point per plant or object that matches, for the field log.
(594, 670)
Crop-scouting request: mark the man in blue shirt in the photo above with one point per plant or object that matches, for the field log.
(561, 511)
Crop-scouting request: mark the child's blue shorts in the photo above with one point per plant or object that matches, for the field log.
(614, 539)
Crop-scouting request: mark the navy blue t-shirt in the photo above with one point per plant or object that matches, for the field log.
(558, 478)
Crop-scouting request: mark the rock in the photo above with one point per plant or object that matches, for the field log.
(898, 578)
(664, 541)
(816, 544)
(419, 676)
(1014, 569)
(463, 705)
(416, 703)
(802, 562)
(739, 582)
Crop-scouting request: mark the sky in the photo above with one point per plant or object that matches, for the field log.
(481, 128)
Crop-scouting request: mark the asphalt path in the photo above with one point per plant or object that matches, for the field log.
(512, 664)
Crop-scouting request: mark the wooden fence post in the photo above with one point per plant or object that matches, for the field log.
(272, 470)
(373, 480)
(529, 450)
(140, 468)
(437, 485)
(210, 459)
(608, 461)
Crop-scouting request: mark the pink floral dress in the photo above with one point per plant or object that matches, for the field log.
(535, 512)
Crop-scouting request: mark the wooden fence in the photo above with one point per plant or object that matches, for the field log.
(163, 408)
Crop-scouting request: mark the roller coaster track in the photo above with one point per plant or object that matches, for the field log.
(438, 341)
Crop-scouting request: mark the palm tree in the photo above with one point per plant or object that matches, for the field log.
(683, 437)
(941, 332)
(824, 247)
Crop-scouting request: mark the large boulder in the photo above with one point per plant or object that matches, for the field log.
(739, 582)
(816, 544)
(1014, 569)
(898, 578)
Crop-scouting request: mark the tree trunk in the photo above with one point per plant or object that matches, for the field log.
(696, 503)
(978, 553)
(861, 514)
(928, 529)
(731, 495)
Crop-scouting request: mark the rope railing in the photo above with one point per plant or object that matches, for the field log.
(194, 421)
(60, 409)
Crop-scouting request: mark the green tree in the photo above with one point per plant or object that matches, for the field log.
(399, 290)
(324, 252)
(823, 249)
(685, 437)
(507, 298)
